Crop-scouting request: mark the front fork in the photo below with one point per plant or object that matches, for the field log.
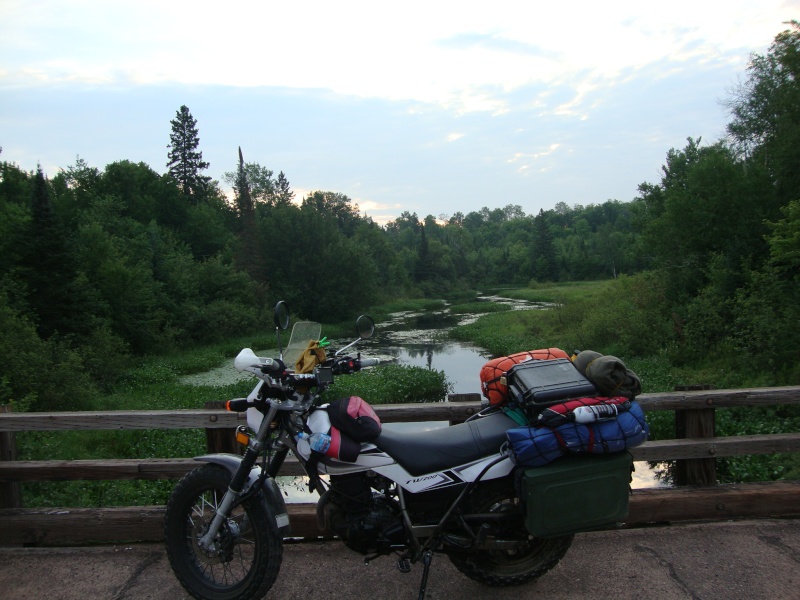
(240, 481)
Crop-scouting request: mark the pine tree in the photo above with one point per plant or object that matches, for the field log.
(47, 267)
(423, 270)
(244, 200)
(184, 160)
(283, 193)
(250, 257)
(544, 252)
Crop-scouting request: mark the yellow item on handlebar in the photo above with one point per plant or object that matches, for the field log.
(310, 358)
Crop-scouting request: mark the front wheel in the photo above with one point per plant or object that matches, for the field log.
(530, 560)
(247, 552)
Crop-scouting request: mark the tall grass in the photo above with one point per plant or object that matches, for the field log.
(558, 293)
(503, 333)
(393, 384)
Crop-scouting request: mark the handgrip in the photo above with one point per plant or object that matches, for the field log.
(238, 405)
(246, 360)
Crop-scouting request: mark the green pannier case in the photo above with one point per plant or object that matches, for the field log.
(577, 493)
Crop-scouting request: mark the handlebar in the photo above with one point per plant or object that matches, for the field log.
(273, 373)
(274, 368)
(347, 364)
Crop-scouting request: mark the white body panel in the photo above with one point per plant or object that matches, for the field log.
(382, 463)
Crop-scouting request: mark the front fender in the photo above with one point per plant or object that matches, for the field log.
(273, 498)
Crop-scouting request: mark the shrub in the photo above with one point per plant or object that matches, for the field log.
(392, 384)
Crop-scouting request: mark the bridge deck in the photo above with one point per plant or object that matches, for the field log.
(721, 560)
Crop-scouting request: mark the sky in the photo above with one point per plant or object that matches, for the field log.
(431, 107)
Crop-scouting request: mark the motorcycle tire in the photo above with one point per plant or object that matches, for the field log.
(505, 567)
(248, 549)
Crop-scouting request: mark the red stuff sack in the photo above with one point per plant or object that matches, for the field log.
(342, 447)
(354, 418)
(564, 412)
(493, 374)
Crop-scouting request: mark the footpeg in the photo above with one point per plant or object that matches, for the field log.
(404, 565)
(480, 539)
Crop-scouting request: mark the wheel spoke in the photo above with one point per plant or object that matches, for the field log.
(241, 561)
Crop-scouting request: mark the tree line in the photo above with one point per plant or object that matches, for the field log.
(98, 265)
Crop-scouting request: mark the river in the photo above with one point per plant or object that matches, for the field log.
(420, 339)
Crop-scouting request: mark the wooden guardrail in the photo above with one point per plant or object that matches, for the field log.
(698, 450)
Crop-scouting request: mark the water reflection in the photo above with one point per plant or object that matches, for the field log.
(419, 339)
(461, 363)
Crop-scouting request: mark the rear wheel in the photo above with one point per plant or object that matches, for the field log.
(246, 554)
(531, 559)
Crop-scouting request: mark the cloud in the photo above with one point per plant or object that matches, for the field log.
(363, 98)
(528, 162)
(494, 42)
(459, 54)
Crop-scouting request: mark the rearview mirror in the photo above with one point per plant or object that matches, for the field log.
(365, 327)
(281, 317)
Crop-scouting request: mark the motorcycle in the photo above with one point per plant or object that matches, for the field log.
(407, 493)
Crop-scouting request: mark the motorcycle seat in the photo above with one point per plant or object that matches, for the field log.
(425, 452)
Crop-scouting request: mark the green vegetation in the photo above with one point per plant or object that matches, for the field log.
(392, 384)
(562, 292)
(503, 333)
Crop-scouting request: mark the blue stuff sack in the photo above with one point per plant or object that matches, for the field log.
(537, 446)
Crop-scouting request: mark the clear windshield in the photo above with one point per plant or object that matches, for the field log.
(302, 333)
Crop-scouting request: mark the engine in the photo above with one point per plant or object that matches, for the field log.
(366, 521)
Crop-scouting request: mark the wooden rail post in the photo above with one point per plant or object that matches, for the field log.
(698, 423)
(10, 494)
(470, 397)
(221, 440)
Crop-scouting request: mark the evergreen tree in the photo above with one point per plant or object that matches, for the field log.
(244, 200)
(185, 161)
(47, 268)
(423, 270)
(283, 193)
(544, 252)
(250, 257)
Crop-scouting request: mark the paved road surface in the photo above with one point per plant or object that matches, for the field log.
(741, 560)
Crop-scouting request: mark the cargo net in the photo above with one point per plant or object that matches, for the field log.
(493, 374)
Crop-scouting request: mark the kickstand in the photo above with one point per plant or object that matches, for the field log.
(427, 557)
